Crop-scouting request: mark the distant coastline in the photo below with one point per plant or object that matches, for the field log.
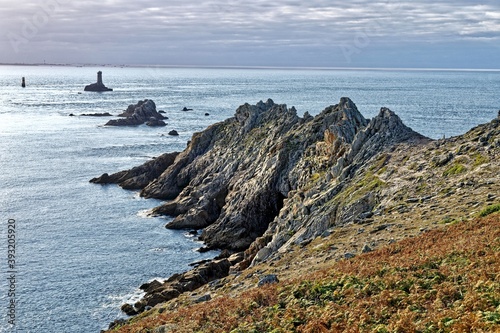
(305, 68)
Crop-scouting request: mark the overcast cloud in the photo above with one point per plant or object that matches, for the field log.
(319, 33)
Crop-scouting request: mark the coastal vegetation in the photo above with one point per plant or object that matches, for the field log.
(445, 280)
(490, 210)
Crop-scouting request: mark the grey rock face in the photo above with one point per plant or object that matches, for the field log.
(255, 179)
(232, 178)
(350, 142)
(268, 279)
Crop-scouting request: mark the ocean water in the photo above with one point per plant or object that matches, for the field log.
(83, 249)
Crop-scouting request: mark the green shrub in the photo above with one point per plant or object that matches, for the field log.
(455, 170)
(489, 210)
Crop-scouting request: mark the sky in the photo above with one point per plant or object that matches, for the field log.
(279, 33)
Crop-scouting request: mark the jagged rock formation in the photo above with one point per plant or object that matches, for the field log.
(233, 178)
(267, 181)
(138, 114)
(317, 206)
(98, 86)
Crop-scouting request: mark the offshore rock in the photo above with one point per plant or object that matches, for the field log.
(98, 86)
(103, 114)
(153, 122)
(138, 114)
(173, 133)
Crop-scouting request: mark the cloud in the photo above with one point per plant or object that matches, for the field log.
(143, 30)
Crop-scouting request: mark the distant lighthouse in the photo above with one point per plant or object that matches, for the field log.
(99, 78)
(23, 83)
(98, 86)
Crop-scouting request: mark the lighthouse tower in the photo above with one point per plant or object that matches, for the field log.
(99, 78)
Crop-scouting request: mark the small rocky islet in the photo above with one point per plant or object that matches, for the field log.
(97, 86)
(266, 181)
(144, 112)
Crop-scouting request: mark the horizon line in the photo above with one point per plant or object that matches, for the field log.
(430, 69)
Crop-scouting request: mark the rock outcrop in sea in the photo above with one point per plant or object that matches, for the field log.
(138, 114)
(140, 176)
(98, 86)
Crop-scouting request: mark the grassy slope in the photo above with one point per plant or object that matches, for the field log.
(444, 280)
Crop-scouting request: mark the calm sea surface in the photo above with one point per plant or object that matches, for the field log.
(83, 249)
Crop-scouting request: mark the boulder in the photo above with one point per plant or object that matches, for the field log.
(268, 279)
(151, 286)
(170, 328)
(173, 133)
(129, 310)
(202, 299)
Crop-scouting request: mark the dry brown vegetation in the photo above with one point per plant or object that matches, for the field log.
(444, 280)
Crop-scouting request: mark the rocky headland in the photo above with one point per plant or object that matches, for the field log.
(138, 114)
(281, 194)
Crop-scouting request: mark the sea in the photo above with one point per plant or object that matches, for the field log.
(73, 252)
